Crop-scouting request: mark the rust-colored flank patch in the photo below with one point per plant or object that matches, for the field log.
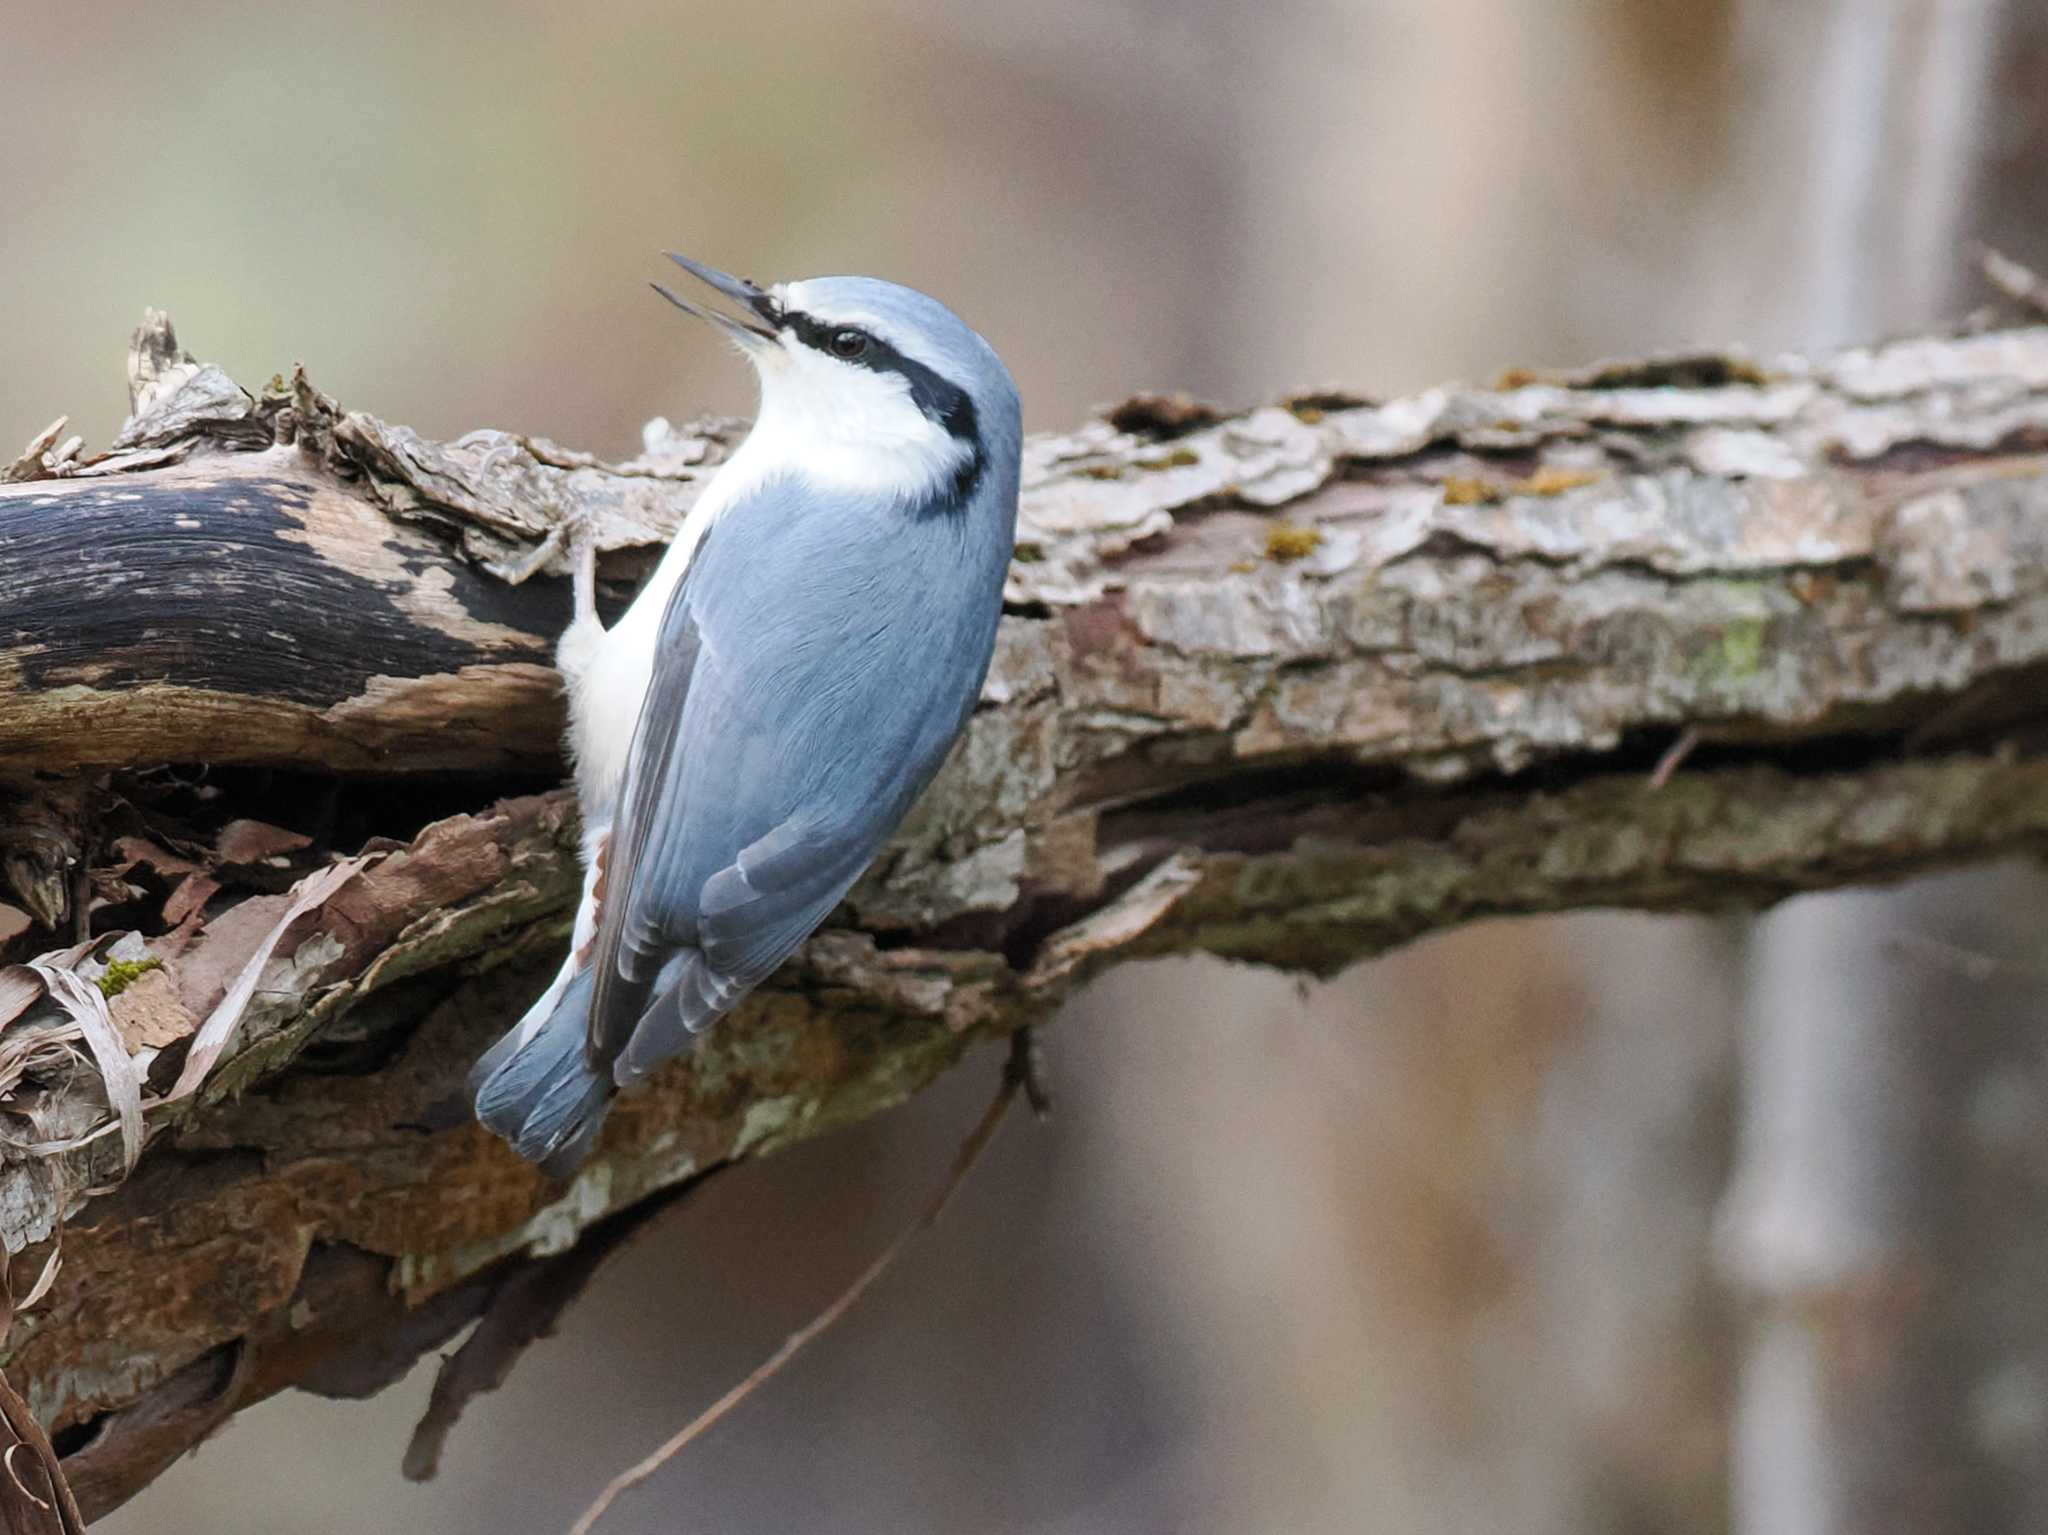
(597, 896)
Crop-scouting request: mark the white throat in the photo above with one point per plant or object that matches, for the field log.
(850, 427)
(837, 424)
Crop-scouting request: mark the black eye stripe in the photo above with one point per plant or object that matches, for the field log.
(942, 401)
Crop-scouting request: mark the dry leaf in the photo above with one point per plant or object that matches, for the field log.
(120, 1075)
(109, 889)
(20, 987)
(47, 1277)
(148, 1015)
(210, 957)
(247, 841)
(219, 1028)
(192, 894)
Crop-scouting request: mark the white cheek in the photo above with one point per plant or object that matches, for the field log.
(848, 427)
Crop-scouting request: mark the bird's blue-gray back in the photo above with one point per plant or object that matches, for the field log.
(831, 662)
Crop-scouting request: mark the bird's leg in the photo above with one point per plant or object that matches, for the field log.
(583, 562)
(581, 641)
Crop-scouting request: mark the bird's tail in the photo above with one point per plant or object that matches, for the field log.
(537, 1088)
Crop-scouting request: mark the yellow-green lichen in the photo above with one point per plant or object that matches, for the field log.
(120, 974)
(1740, 653)
(1469, 490)
(1548, 481)
(1285, 541)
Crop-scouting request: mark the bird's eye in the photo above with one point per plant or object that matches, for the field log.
(848, 344)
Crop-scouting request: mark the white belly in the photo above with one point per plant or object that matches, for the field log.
(604, 705)
(606, 671)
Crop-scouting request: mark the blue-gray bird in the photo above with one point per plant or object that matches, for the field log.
(759, 721)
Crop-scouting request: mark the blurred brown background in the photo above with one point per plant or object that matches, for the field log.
(1606, 1224)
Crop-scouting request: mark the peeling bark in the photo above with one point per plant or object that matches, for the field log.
(1291, 687)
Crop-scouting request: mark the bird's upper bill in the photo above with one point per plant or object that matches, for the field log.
(763, 310)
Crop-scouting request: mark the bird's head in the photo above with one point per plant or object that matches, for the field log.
(866, 383)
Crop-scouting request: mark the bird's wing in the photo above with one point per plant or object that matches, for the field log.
(753, 914)
(623, 957)
(779, 745)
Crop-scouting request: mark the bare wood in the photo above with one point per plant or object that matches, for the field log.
(249, 608)
(1292, 686)
(272, 580)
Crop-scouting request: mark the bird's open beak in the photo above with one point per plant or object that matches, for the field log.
(758, 302)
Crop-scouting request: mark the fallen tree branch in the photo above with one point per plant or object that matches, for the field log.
(1291, 686)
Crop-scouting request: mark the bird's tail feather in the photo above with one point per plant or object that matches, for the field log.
(537, 1088)
(689, 997)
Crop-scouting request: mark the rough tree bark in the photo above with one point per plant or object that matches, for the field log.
(1291, 686)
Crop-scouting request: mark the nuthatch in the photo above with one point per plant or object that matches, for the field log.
(760, 720)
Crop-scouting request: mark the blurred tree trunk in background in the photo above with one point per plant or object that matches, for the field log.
(1887, 1381)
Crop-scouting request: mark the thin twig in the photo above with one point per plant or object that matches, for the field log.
(2017, 281)
(1674, 756)
(963, 1163)
(1957, 959)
